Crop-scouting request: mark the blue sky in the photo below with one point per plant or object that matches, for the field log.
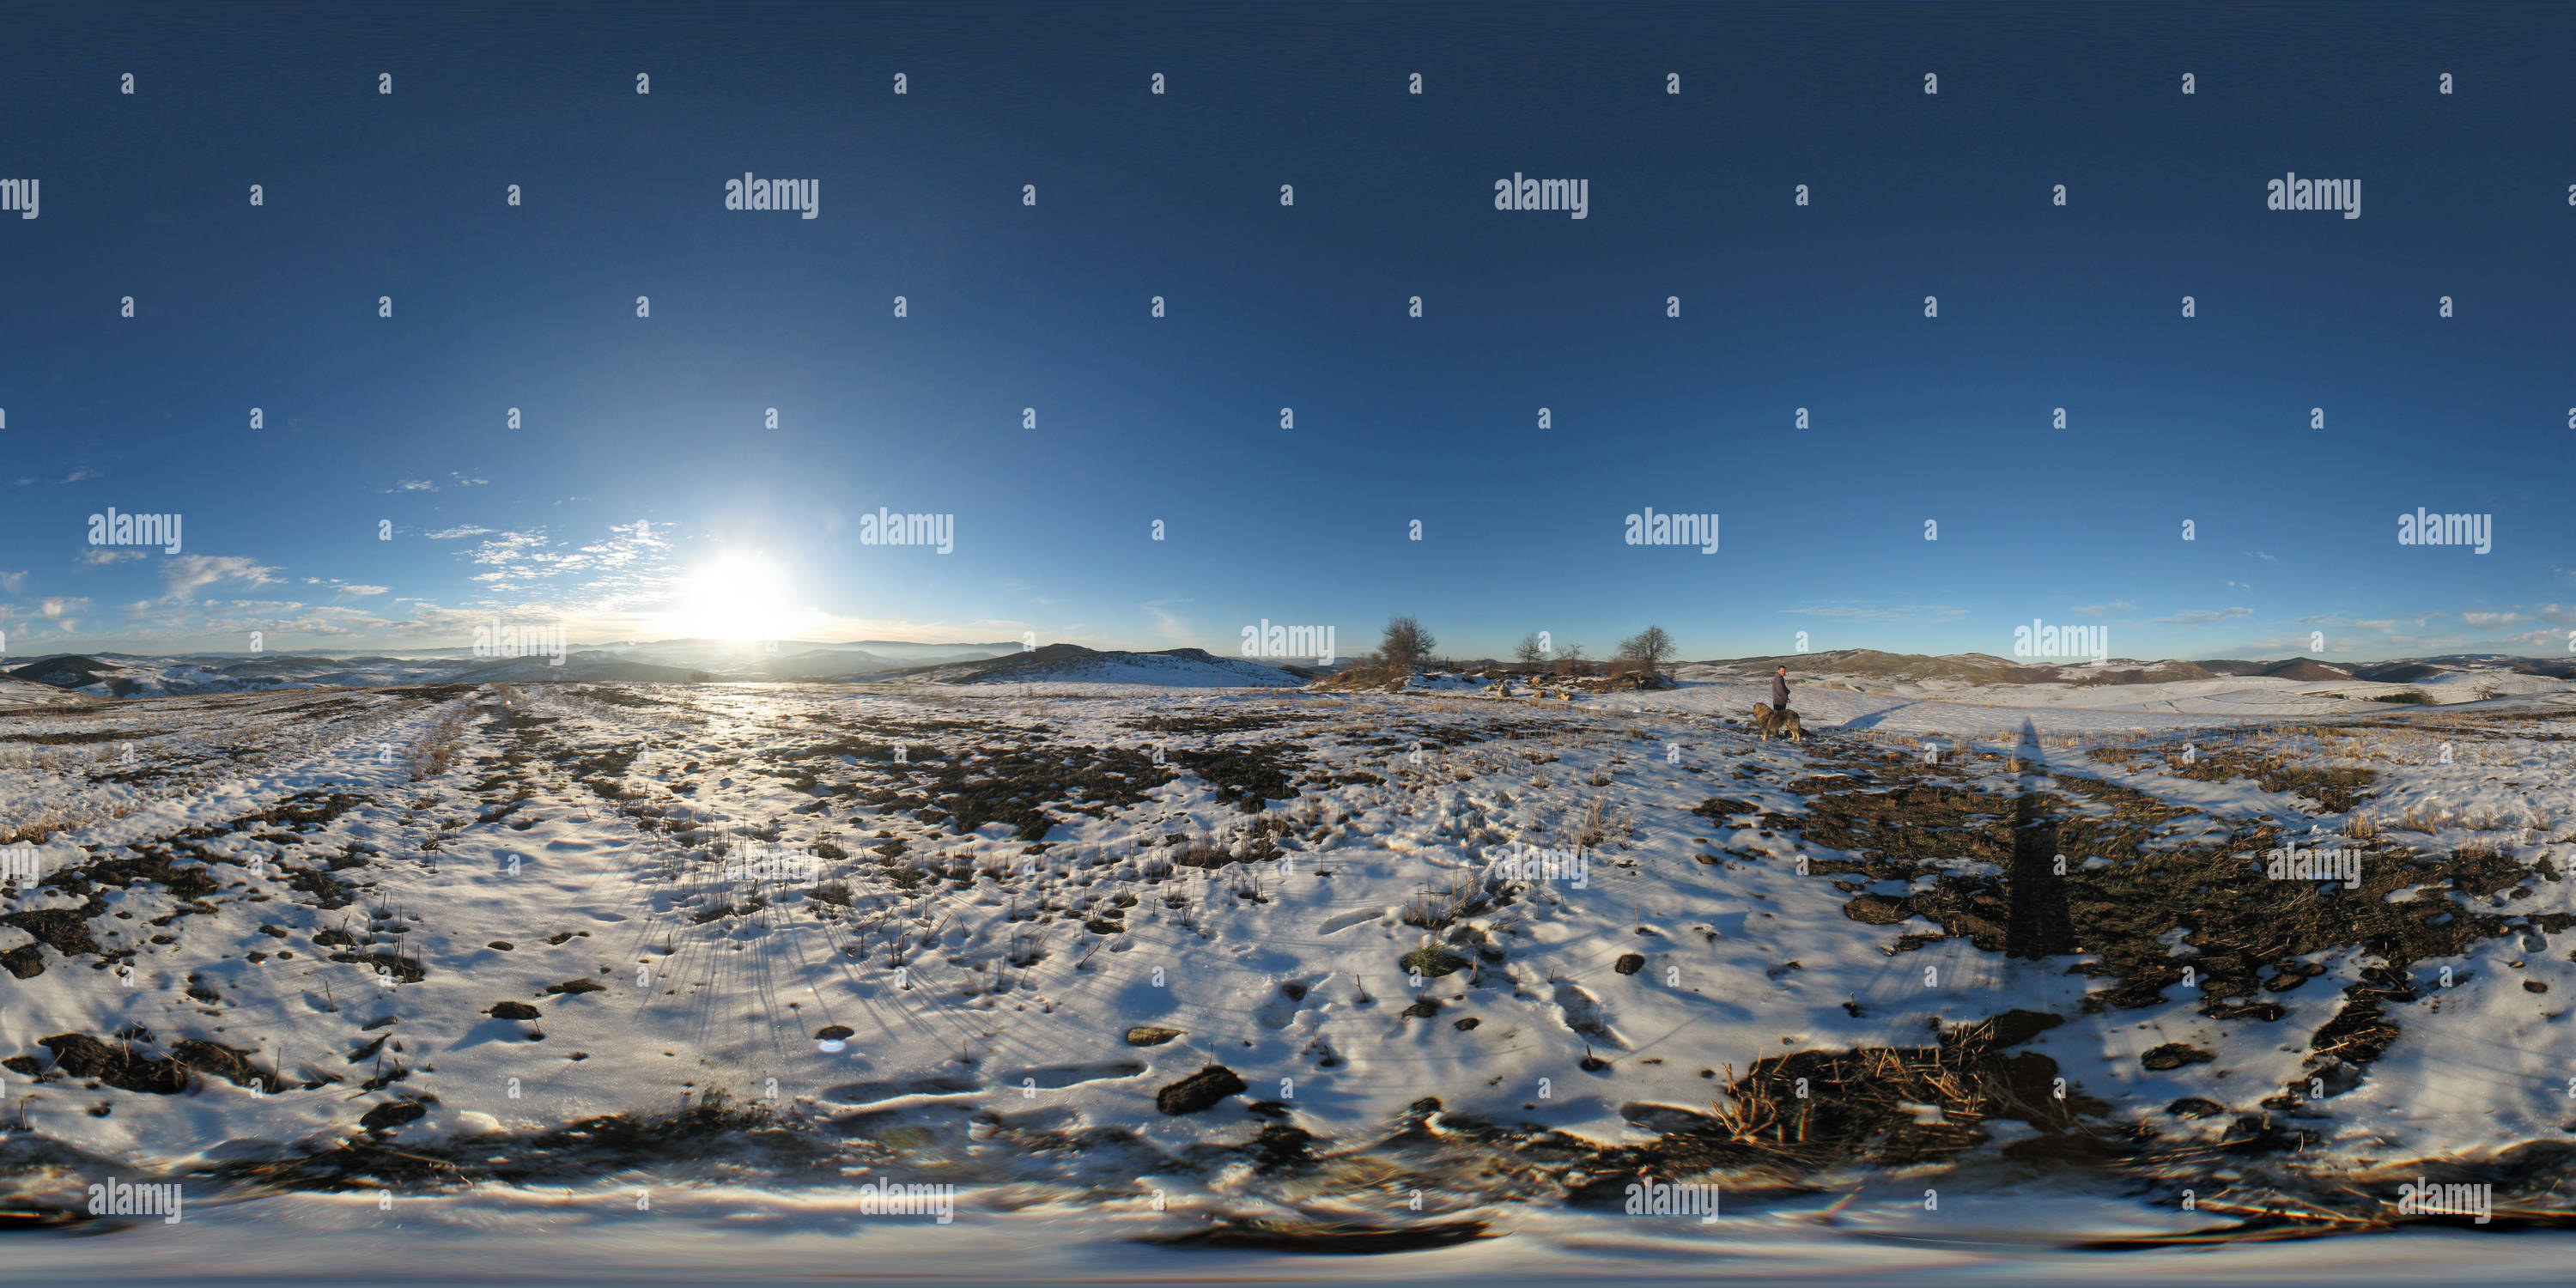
(643, 494)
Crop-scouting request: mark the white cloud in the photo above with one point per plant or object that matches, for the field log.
(101, 556)
(2096, 610)
(2205, 616)
(13, 582)
(184, 574)
(465, 530)
(1877, 612)
(424, 485)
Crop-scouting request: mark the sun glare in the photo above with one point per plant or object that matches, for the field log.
(740, 597)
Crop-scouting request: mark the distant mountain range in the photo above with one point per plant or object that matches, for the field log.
(1982, 668)
(128, 675)
(76, 677)
(1072, 663)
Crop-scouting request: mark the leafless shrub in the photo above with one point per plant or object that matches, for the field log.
(1406, 643)
(430, 756)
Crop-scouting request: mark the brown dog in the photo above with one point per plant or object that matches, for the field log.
(1783, 721)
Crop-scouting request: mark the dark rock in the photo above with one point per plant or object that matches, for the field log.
(83, 1056)
(2174, 1055)
(582, 985)
(1150, 1035)
(1877, 910)
(1629, 963)
(1198, 1091)
(2016, 1026)
(514, 1011)
(1282, 1147)
(64, 930)
(833, 1033)
(392, 1114)
(232, 1064)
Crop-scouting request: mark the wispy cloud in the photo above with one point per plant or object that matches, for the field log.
(1872, 612)
(1167, 625)
(454, 479)
(101, 556)
(13, 582)
(2205, 616)
(2096, 610)
(185, 574)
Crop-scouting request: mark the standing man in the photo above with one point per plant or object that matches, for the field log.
(1780, 690)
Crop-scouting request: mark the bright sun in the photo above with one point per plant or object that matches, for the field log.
(740, 597)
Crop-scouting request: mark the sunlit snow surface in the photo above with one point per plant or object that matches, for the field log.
(996, 1061)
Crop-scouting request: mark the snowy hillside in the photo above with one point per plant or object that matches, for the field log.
(1282, 957)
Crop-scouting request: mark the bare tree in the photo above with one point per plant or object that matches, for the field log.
(1527, 652)
(1569, 661)
(1406, 643)
(1647, 650)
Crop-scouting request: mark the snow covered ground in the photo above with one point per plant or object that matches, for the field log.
(1468, 961)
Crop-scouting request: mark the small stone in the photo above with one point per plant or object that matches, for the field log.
(1199, 1090)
